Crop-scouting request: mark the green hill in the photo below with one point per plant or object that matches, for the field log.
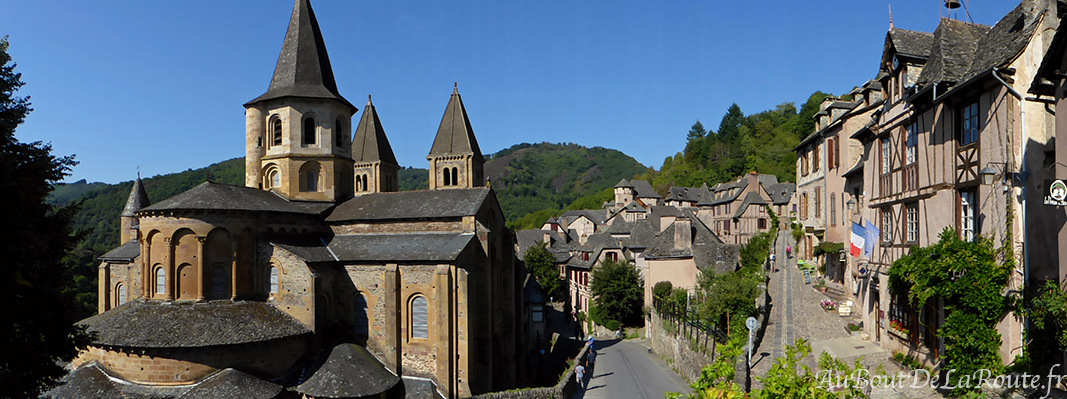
(63, 193)
(534, 177)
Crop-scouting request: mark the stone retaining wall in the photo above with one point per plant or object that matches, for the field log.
(563, 389)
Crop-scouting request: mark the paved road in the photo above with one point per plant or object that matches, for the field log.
(625, 370)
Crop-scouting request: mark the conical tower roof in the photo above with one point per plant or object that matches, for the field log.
(138, 198)
(370, 143)
(303, 68)
(455, 135)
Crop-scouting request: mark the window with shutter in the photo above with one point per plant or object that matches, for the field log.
(419, 313)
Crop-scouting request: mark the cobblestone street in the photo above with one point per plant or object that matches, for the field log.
(796, 313)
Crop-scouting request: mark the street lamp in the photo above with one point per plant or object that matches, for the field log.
(851, 204)
(987, 174)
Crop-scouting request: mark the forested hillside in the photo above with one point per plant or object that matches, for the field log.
(760, 142)
(534, 177)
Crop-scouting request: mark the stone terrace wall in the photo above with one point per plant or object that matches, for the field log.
(563, 389)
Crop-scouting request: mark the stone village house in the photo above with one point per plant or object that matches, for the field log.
(316, 278)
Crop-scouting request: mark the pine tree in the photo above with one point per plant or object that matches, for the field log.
(39, 298)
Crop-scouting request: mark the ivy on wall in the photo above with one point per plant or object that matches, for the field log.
(969, 278)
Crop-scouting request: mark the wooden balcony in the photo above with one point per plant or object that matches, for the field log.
(910, 177)
(885, 185)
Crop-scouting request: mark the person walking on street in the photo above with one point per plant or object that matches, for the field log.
(773, 266)
(579, 375)
(788, 251)
(592, 361)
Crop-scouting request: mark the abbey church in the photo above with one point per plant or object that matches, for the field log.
(317, 278)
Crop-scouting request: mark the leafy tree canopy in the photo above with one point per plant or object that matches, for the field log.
(34, 280)
(542, 264)
(618, 291)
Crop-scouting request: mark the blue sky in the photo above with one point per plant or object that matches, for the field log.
(160, 85)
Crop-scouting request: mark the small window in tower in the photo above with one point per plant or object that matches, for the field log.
(121, 294)
(448, 177)
(339, 137)
(275, 179)
(455, 176)
(276, 131)
(273, 280)
(309, 131)
(161, 281)
(311, 182)
(419, 315)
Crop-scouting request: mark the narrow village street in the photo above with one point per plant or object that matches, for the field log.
(626, 370)
(796, 313)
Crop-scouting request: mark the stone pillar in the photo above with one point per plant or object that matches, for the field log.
(255, 145)
(463, 333)
(433, 174)
(446, 356)
(103, 288)
(170, 284)
(391, 318)
(146, 267)
(200, 267)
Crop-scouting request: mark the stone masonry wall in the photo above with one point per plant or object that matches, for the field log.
(563, 389)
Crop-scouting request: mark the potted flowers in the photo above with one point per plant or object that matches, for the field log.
(828, 305)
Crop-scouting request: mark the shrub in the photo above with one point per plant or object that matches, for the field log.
(612, 325)
(662, 289)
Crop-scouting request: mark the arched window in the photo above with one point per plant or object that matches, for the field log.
(309, 131)
(419, 322)
(455, 176)
(448, 177)
(276, 131)
(273, 280)
(275, 178)
(161, 281)
(121, 294)
(339, 137)
(312, 180)
(220, 282)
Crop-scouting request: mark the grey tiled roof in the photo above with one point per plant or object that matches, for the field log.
(624, 183)
(350, 371)
(190, 325)
(455, 135)
(137, 200)
(125, 252)
(752, 198)
(370, 143)
(707, 250)
(951, 51)
(910, 43)
(419, 388)
(224, 197)
(413, 247)
(230, 383)
(596, 215)
(644, 190)
(642, 234)
(656, 212)
(424, 204)
(1007, 39)
(781, 193)
(90, 381)
(619, 226)
(303, 68)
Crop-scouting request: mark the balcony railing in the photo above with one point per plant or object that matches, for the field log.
(911, 177)
(885, 184)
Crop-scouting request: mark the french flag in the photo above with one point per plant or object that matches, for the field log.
(858, 234)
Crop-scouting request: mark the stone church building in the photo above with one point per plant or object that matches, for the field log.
(317, 278)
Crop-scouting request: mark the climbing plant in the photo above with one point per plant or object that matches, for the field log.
(970, 279)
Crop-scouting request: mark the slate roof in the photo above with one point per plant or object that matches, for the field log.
(434, 247)
(230, 383)
(723, 190)
(1007, 39)
(455, 135)
(597, 216)
(137, 200)
(534, 293)
(633, 206)
(910, 43)
(370, 143)
(419, 388)
(125, 252)
(781, 193)
(642, 234)
(224, 197)
(191, 325)
(951, 51)
(423, 204)
(560, 242)
(619, 226)
(624, 183)
(704, 249)
(92, 382)
(644, 190)
(349, 371)
(686, 194)
(752, 198)
(303, 68)
(656, 212)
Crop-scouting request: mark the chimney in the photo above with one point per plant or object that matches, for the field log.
(665, 221)
(683, 234)
(548, 239)
(753, 181)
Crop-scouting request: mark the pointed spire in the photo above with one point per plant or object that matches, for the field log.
(455, 135)
(370, 143)
(138, 198)
(303, 68)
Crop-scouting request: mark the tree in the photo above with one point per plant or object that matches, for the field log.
(662, 290)
(618, 291)
(697, 131)
(730, 127)
(542, 264)
(40, 304)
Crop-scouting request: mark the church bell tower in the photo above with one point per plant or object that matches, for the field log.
(455, 159)
(297, 133)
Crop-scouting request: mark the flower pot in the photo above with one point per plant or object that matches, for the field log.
(822, 289)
